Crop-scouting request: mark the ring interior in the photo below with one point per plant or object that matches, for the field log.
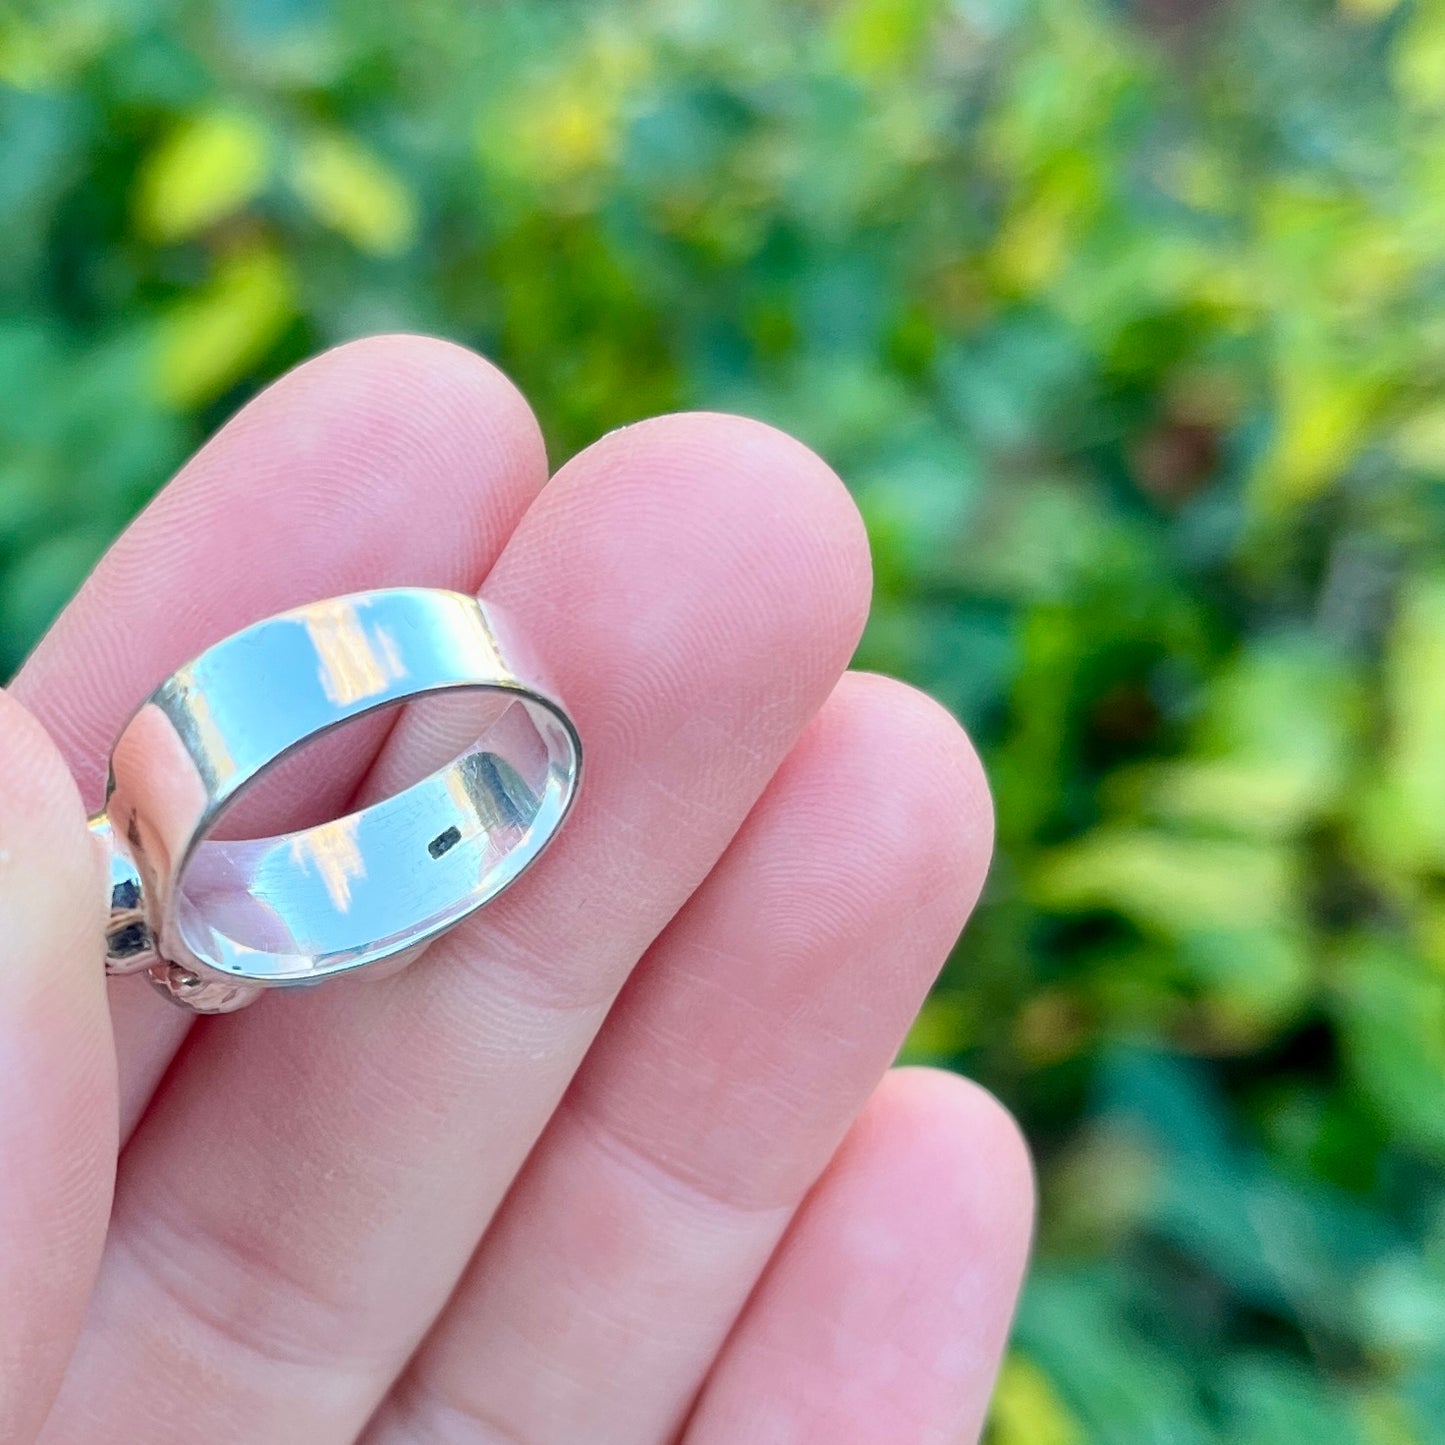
(384, 879)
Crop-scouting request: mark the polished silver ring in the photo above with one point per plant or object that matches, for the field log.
(214, 921)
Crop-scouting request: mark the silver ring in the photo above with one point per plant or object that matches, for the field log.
(213, 920)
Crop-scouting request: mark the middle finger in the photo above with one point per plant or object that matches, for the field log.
(315, 1174)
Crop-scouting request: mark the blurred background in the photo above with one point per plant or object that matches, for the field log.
(1126, 323)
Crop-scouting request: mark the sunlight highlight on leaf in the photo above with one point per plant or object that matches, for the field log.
(352, 191)
(208, 168)
(210, 340)
(1026, 1409)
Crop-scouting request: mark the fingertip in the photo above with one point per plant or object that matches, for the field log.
(759, 484)
(885, 1312)
(910, 740)
(389, 461)
(428, 370)
(377, 397)
(959, 1134)
(936, 1171)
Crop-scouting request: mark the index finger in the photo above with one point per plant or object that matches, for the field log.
(394, 460)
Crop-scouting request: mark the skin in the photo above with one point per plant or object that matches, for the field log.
(621, 1159)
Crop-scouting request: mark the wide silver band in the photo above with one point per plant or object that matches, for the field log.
(215, 920)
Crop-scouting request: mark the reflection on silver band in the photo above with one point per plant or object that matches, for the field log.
(212, 920)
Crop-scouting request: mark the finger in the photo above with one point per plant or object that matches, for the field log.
(694, 587)
(885, 1311)
(57, 1071)
(742, 1049)
(394, 460)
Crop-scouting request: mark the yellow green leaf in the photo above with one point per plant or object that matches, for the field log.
(1419, 58)
(210, 340)
(944, 1025)
(1027, 1410)
(1170, 882)
(1326, 409)
(564, 126)
(1273, 752)
(1045, 225)
(208, 168)
(1392, 1019)
(1404, 816)
(879, 38)
(1420, 440)
(41, 53)
(1245, 796)
(349, 189)
(1386, 1418)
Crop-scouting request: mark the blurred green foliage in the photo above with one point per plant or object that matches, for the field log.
(1127, 326)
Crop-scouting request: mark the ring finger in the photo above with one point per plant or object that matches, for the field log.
(742, 1048)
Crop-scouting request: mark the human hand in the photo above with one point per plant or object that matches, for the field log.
(592, 1171)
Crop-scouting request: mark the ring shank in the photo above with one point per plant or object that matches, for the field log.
(380, 882)
(386, 878)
